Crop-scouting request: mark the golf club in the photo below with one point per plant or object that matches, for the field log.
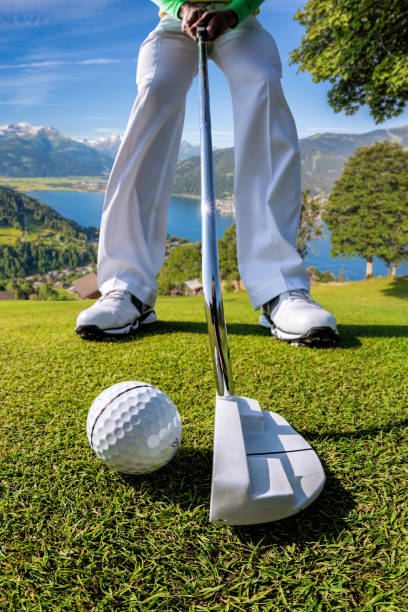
(263, 470)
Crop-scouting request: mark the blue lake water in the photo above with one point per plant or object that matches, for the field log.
(184, 220)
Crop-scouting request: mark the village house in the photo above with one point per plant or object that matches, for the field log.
(6, 295)
(193, 287)
(87, 287)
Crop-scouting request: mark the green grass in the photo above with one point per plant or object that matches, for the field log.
(9, 235)
(78, 536)
(34, 232)
(77, 183)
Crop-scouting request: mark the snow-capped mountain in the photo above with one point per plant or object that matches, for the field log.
(109, 145)
(32, 150)
(26, 129)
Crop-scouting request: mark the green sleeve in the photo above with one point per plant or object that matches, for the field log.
(244, 8)
(171, 7)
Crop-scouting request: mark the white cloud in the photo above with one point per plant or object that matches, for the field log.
(29, 89)
(49, 64)
(99, 60)
(57, 63)
(108, 130)
(33, 13)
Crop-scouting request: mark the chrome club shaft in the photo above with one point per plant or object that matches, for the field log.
(213, 304)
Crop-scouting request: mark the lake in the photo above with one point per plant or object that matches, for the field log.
(184, 220)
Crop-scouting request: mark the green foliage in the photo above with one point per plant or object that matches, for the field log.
(309, 227)
(182, 264)
(322, 277)
(227, 254)
(359, 47)
(17, 210)
(20, 288)
(40, 254)
(26, 258)
(367, 212)
(47, 292)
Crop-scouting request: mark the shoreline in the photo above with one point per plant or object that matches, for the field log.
(225, 206)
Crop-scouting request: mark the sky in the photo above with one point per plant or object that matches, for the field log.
(71, 64)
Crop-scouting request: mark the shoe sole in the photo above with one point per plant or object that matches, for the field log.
(93, 332)
(315, 336)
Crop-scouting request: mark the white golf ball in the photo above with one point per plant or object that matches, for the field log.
(134, 427)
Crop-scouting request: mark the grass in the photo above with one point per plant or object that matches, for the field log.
(9, 235)
(77, 183)
(34, 232)
(78, 536)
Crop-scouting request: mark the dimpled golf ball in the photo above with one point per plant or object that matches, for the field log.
(134, 427)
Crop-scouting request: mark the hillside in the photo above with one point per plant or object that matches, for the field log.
(34, 238)
(26, 150)
(323, 157)
(79, 536)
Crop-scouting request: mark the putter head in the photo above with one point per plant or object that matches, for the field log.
(263, 470)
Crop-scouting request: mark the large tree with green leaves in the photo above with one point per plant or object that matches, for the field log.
(367, 211)
(359, 46)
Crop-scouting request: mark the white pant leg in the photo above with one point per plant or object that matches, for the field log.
(267, 164)
(133, 228)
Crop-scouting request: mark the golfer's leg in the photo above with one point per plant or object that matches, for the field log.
(267, 164)
(133, 228)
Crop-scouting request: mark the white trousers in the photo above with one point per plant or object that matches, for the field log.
(267, 164)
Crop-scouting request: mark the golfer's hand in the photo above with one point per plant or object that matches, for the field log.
(216, 22)
(189, 15)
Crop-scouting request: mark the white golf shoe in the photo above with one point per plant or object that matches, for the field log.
(117, 313)
(295, 318)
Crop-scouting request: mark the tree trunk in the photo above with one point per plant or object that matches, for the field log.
(369, 267)
(394, 270)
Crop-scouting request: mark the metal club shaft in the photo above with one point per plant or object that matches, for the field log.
(213, 305)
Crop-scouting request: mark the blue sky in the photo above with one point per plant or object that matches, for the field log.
(72, 63)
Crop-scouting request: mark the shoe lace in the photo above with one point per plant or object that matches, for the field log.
(292, 294)
(114, 294)
(296, 293)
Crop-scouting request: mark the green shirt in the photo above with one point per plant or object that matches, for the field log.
(243, 8)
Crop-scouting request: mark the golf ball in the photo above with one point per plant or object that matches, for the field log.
(134, 427)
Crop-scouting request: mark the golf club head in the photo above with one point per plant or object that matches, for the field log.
(263, 470)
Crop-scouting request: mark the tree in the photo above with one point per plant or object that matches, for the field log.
(47, 292)
(359, 46)
(227, 255)
(183, 263)
(309, 227)
(367, 211)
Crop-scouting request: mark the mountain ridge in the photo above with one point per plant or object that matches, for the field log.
(41, 151)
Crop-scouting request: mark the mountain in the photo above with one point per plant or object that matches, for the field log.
(187, 150)
(187, 180)
(41, 151)
(109, 145)
(322, 156)
(34, 238)
(27, 150)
